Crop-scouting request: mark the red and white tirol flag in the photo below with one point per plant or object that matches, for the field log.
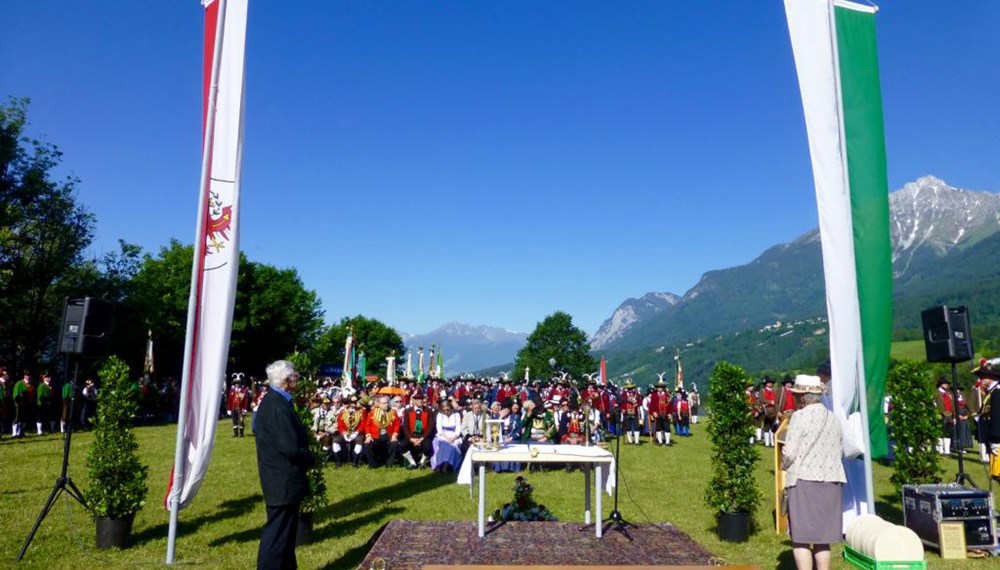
(216, 249)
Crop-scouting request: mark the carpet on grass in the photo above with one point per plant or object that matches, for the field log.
(412, 544)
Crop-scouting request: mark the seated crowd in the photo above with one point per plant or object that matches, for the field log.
(433, 424)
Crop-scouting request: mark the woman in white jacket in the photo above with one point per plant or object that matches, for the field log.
(815, 476)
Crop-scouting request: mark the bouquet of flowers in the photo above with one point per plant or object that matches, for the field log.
(523, 507)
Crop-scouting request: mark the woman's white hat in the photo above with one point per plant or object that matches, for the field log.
(806, 384)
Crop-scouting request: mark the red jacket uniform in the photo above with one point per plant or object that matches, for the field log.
(348, 422)
(239, 399)
(660, 404)
(389, 426)
(629, 401)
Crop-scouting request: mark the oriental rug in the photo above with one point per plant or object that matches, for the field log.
(409, 545)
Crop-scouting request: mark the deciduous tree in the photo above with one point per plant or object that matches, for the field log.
(43, 235)
(556, 337)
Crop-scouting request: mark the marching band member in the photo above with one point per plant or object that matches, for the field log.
(659, 409)
(682, 413)
(238, 404)
(768, 402)
(945, 404)
(694, 398)
(347, 444)
(629, 400)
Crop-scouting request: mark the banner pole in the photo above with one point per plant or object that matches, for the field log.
(195, 293)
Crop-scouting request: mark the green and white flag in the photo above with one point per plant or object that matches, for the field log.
(837, 64)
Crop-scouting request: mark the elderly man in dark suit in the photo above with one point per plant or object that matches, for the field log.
(283, 457)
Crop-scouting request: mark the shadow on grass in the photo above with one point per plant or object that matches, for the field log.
(344, 527)
(327, 531)
(887, 506)
(392, 492)
(785, 559)
(353, 557)
(233, 508)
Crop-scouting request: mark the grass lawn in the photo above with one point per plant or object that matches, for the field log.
(222, 527)
(909, 350)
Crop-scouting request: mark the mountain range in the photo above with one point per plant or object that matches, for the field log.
(467, 348)
(945, 250)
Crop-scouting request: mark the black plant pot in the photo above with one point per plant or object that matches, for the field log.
(304, 531)
(734, 527)
(114, 532)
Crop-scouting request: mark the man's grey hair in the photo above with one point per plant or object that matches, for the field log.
(809, 398)
(279, 371)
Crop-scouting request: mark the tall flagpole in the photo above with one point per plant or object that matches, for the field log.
(196, 273)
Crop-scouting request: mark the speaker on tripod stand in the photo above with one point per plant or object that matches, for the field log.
(948, 338)
(86, 327)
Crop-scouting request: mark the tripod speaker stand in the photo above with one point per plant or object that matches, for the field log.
(961, 478)
(948, 338)
(63, 482)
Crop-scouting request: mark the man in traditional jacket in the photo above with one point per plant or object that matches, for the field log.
(324, 424)
(347, 443)
(768, 401)
(694, 398)
(786, 398)
(682, 413)
(629, 401)
(418, 432)
(382, 434)
(539, 425)
(659, 413)
(988, 373)
(67, 406)
(46, 398)
(238, 405)
(944, 403)
(24, 404)
(505, 393)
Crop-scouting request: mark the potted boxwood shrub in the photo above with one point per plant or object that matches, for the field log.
(316, 499)
(732, 492)
(116, 487)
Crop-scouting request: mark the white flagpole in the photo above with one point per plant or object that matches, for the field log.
(199, 253)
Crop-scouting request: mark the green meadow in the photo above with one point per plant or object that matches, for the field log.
(221, 528)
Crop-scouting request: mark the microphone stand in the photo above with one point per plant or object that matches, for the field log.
(615, 520)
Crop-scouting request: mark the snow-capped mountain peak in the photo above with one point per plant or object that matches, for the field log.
(928, 214)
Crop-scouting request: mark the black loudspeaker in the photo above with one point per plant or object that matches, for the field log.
(86, 326)
(947, 334)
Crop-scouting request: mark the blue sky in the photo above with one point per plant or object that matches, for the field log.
(488, 161)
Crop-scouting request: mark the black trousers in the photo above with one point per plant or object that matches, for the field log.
(425, 449)
(630, 423)
(376, 449)
(277, 541)
(662, 423)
